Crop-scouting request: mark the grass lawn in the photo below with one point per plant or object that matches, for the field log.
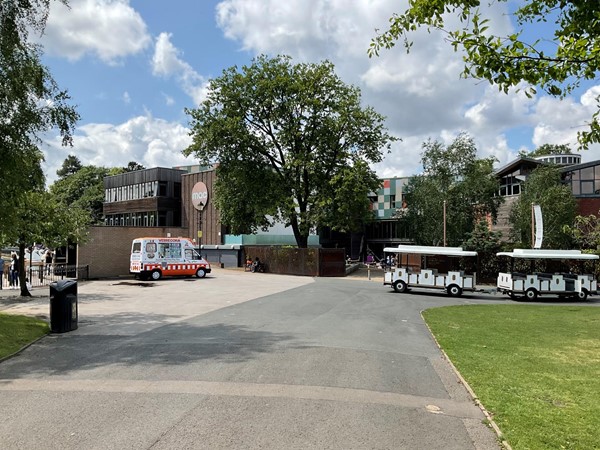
(535, 368)
(17, 331)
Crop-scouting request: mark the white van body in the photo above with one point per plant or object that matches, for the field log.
(155, 257)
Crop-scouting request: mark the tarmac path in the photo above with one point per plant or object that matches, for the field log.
(239, 360)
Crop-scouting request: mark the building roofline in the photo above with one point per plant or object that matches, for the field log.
(580, 166)
(515, 162)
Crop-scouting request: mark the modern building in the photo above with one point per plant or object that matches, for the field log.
(387, 204)
(582, 178)
(179, 197)
(183, 197)
(143, 198)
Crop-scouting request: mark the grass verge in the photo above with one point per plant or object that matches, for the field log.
(536, 369)
(18, 331)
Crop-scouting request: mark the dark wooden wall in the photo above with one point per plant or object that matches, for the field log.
(213, 232)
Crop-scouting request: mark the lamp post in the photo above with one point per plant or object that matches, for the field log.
(200, 209)
(199, 201)
(444, 223)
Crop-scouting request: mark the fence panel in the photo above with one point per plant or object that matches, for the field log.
(44, 275)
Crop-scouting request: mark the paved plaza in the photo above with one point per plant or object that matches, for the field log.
(239, 360)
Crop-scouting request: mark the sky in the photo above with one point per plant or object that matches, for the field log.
(133, 66)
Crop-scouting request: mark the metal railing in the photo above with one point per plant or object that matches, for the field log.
(44, 275)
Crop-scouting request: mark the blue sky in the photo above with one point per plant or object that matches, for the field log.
(132, 66)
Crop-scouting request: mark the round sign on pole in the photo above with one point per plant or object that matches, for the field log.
(199, 196)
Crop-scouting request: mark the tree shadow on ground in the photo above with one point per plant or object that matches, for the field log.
(173, 344)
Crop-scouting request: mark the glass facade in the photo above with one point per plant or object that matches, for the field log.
(143, 198)
(136, 219)
(135, 191)
(563, 160)
(510, 184)
(584, 182)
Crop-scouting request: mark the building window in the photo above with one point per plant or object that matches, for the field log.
(587, 187)
(587, 173)
(392, 201)
(162, 189)
(510, 185)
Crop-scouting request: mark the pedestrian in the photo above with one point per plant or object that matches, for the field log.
(1, 272)
(14, 271)
(48, 261)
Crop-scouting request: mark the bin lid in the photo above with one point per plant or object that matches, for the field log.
(61, 285)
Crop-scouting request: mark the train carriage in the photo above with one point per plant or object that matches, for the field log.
(532, 284)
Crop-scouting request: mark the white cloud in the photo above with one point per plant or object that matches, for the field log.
(126, 98)
(169, 101)
(167, 62)
(149, 141)
(107, 29)
(558, 121)
(421, 93)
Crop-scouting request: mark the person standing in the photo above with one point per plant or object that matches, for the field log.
(1, 272)
(14, 271)
(48, 261)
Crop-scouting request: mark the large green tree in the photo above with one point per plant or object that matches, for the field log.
(451, 174)
(545, 188)
(39, 217)
(555, 57)
(83, 189)
(293, 143)
(30, 103)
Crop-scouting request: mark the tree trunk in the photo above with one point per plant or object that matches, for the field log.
(301, 239)
(22, 275)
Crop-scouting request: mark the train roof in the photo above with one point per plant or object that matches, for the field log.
(430, 250)
(525, 253)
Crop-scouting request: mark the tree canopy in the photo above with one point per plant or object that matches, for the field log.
(454, 175)
(132, 166)
(293, 144)
(548, 149)
(30, 103)
(556, 62)
(70, 165)
(586, 231)
(544, 187)
(39, 217)
(83, 189)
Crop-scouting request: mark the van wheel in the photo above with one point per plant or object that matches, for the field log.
(200, 273)
(531, 294)
(583, 295)
(454, 290)
(156, 275)
(399, 286)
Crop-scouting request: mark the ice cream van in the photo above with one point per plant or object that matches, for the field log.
(155, 257)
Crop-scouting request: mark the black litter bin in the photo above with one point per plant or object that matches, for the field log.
(63, 306)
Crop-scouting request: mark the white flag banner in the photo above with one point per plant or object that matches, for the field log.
(539, 226)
